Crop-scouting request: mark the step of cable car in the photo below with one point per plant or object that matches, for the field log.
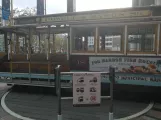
(36, 67)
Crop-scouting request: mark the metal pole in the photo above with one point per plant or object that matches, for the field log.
(45, 7)
(11, 69)
(59, 117)
(29, 55)
(112, 79)
(55, 75)
(48, 54)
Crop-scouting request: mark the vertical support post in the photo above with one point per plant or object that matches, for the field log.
(71, 47)
(23, 40)
(17, 44)
(8, 45)
(25, 44)
(96, 40)
(125, 42)
(29, 55)
(68, 46)
(39, 42)
(58, 90)
(55, 79)
(6, 42)
(157, 43)
(10, 54)
(54, 50)
(112, 80)
(48, 54)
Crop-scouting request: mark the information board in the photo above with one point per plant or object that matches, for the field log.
(86, 89)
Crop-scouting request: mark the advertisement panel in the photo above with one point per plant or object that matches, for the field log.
(129, 70)
(145, 65)
(5, 9)
(86, 89)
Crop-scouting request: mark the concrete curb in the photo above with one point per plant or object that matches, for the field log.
(150, 106)
(9, 111)
(65, 98)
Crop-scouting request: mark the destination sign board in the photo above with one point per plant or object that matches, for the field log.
(84, 16)
(98, 16)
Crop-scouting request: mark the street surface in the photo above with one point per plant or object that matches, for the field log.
(44, 107)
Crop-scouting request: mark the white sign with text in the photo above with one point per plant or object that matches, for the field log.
(86, 89)
(149, 65)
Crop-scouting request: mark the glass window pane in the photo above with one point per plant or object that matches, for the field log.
(2, 43)
(141, 38)
(83, 39)
(110, 38)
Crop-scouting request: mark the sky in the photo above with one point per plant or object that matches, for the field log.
(59, 6)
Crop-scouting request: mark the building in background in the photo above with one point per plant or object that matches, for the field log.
(40, 7)
(71, 5)
(138, 3)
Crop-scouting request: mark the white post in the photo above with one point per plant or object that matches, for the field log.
(45, 6)
(59, 117)
(110, 116)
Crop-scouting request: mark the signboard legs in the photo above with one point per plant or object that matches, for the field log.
(112, 79)
(58, 91)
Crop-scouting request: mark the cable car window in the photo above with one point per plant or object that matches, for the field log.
(83, 39)
(141, 38)
(110, 38)
(2, 43)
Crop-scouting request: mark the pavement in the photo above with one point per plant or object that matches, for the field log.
(4, 115)
(153, 114)
(44, 107)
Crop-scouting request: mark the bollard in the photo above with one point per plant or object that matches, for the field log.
(112, 80)
(58, 91)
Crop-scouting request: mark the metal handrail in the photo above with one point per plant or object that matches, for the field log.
(58, 87)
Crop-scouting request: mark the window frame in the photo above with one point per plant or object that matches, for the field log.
(142, 52)
(121, 45)
(72, 40)
(159, 40)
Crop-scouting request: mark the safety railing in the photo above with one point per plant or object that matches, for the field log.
(58, 74)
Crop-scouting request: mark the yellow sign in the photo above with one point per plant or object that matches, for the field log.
(98, 16)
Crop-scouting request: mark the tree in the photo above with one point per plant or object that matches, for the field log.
(61, 42)
(60, 39)
(24, 12)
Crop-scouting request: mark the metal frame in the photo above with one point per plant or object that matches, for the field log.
(58, 88)
(125, 39)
